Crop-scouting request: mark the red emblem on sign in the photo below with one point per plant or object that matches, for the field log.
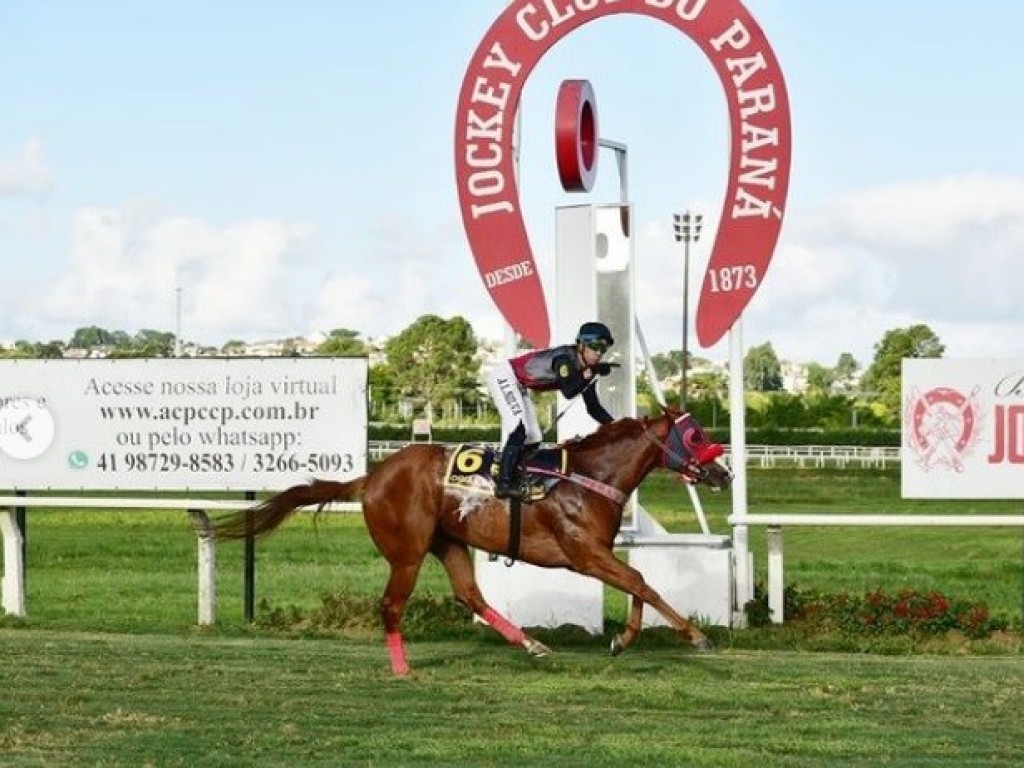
(943, 426)
(759, 157)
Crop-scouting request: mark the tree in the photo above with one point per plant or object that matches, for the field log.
(342, 342)
(884, 376)
(762, 370)
(668, 365)
(50, 350)
(785, 409)
(819, 379)
(845, 373)
(22, 349)
(384, 393)
(150, 343)
(91, 336)
(434, 360)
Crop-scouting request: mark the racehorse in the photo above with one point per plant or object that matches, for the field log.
(411, 509)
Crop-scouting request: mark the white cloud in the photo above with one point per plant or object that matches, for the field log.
(347, 301)
(26, 171)
(943, 252)
(407, 273)
(126, 265)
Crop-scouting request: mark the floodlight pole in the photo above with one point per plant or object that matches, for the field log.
(177, 323)
(687, 229)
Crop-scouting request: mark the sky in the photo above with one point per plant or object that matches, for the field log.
(288, 165)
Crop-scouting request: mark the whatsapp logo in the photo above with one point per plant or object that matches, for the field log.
(78, 460)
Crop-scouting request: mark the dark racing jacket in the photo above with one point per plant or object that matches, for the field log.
(560, 368)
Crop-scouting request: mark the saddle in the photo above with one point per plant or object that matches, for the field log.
(475, 468)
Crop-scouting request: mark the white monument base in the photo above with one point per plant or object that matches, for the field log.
(541, 597)
(693, 572)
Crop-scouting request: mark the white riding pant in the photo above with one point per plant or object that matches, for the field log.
(513, 403)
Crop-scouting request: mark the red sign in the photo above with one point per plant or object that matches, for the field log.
(759, 158)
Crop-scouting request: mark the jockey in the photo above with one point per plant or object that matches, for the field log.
(569, 368)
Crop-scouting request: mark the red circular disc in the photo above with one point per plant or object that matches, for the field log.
(576, 135)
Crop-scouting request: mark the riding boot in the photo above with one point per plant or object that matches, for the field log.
(510, 483)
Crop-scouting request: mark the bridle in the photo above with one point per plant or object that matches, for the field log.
(690, 467)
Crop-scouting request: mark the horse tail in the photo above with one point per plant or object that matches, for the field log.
(267, 516)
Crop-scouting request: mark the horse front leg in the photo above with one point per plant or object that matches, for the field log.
(603, 565)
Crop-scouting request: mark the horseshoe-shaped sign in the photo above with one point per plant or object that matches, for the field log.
(760, 151)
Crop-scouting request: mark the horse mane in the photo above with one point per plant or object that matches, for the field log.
(626, 427)
(608, 433)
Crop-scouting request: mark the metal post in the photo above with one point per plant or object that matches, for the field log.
(177, 322)
(687, 229)
(738, 464)
(21, 521)
(686, 321)
(249, 596)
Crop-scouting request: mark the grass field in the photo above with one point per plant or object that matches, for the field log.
(110, 670)
(78, 699)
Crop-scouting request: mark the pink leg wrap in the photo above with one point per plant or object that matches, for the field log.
(508, 630)
(396, 651)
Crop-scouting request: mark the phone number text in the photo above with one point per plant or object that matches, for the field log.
(139, 461)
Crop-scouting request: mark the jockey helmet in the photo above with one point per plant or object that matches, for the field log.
(594, 334)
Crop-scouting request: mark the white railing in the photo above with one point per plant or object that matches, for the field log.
(841, 456)
(12, 591)
(776, 522)
(822, 455)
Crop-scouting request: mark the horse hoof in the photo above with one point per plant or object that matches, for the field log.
(535, 649)
(617, 647)
(703, 645)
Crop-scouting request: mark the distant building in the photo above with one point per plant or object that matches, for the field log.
(794, 377)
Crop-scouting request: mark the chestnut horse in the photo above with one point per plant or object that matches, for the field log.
(410, 510)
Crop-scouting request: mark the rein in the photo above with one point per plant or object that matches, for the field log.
(608, 491)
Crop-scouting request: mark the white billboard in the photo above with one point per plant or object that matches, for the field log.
(963, 429)
(245, 424)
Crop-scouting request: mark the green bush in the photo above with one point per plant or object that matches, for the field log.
(878, 613)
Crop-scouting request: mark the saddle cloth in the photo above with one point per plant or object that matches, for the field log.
(475, 467)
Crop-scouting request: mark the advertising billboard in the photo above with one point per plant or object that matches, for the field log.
(181, 424)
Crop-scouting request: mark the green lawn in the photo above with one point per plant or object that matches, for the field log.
(86, 699)
(109, 668)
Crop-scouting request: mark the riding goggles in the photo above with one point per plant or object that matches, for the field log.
(598, 345)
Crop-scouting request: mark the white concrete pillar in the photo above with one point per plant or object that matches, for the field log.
(13, 588)
(207, 568)
(776, 587)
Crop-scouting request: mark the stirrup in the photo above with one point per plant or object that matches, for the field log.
(511, 490)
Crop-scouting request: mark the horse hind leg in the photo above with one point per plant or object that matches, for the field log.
(633, 625)
(459, 566)
(392, 606)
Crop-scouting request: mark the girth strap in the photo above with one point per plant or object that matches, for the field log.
(515, 526)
